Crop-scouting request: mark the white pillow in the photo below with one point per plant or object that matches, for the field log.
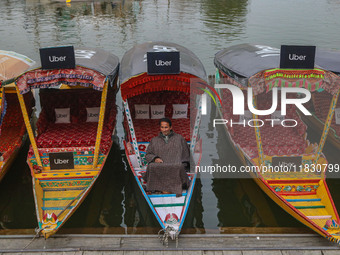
(142, 111)
(157, 111)
(92, 114)
(62, 115)
(180, 111)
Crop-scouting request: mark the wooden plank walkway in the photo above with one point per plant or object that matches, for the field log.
(220, 244)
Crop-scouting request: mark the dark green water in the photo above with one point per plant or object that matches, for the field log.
(204, 26)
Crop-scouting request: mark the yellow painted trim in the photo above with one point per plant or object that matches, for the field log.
(327, 125)
(100, 125)
(1, 97)
(258, 136)
(29, 127)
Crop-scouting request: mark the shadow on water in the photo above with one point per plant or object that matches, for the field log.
(17, 208)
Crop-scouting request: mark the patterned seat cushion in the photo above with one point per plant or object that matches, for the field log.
(156, 98)
(276, 140)
(147, 129)
(13, 127)
(322, 102)
(73, 135)
(78, 133)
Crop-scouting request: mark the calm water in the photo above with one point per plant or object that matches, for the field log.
(204, 26)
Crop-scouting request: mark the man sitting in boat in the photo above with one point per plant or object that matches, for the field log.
(167, 156)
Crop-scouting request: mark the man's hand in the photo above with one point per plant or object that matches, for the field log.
(158, 160)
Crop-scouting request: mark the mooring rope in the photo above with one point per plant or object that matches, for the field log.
(37, 231)
(169, 231)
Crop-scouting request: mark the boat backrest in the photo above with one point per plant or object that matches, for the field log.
(322, 102)
(160, 98)
(76, 100)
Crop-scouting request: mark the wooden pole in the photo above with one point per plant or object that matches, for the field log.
(29, 127)
(327, 126)
(258, 136)
(100, 124)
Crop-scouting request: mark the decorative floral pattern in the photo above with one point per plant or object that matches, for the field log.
(294, 188)
(56, 184)
(49, 78)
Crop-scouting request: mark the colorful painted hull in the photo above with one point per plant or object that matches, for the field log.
(163, 205)
(58, 193)
(306, 198)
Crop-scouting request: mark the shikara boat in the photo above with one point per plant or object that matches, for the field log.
(139, 87)
(12, 126)
(74, 132)
(329, 60)
(301, 190)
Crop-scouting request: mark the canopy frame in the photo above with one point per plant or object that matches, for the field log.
(296, 72)
(99, 128)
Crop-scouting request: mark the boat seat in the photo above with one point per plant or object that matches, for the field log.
(13, 126)
(145, 129)
(322, 101)
(78, 133)
(74, 135)
(275, 141)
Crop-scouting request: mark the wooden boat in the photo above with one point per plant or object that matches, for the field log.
(139, 87)
(303, 193)
(329, 60)
(74, 132)
(12, 127)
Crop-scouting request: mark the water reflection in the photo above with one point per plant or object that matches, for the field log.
(225, 18)
(115, 204)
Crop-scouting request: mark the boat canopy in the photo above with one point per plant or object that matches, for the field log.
(12, 65)
(93, 68)
(328, 60)
(258, 65)
(133, 71)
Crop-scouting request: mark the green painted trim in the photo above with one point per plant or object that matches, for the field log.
(310, 207)
(168, 205)
(58, 198)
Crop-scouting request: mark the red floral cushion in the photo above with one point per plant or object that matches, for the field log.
(164, 97)
(147, 129)
(73, 135)
(13, 126)
(322, 102)
(78, 133)
(276, 140)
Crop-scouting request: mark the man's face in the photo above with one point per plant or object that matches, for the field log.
(165, 128)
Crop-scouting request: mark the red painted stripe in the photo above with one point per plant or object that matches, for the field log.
(303, 193)
(66, 178)
(293, 181)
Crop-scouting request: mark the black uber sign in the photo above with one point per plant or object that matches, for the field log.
(61, 160)
(292, 163)
(163, 62)
(57, 58)
(297, 57)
